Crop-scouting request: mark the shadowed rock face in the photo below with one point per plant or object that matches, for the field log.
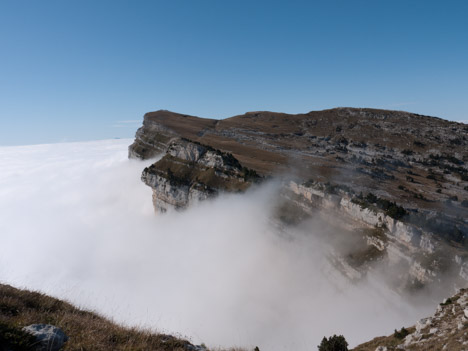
(401, 176)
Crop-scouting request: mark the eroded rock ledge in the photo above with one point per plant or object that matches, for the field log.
(191, 172)
(418, 248)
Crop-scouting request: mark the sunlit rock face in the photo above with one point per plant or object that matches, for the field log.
(191, 172)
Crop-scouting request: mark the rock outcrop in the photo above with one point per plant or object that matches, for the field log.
(48, 337)
(447, 330)
(191, 172)
(393, 236)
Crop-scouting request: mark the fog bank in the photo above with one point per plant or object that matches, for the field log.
(77, 223)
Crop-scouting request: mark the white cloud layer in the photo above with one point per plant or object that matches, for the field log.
(77, 223)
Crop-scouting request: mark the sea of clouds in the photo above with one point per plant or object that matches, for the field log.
(77, 223)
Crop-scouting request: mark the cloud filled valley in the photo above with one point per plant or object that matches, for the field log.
(77, 223)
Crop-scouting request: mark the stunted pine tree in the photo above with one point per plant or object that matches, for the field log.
(334, 343)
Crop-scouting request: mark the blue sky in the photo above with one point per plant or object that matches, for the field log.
(83, 70)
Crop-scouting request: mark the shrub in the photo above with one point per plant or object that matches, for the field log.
(15, 338)
(407, 152)
(334, 343)
(250, 174)
(395, 211)
(401, 334)
(446, 302)
(371, 198)
(391, 208)
(457, 235)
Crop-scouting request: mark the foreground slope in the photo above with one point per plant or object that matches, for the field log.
(86, 330)
(447, 329)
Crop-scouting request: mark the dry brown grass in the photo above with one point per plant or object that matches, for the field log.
(86, 330)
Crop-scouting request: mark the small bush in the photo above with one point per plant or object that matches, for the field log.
(371, 198)
(418, 143)
(250, 174)
(447, 302)
(419, 196)
(334, 343)
(407, 152)
(15, 338)
(401, 334)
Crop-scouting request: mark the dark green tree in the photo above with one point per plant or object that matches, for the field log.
(334, 343)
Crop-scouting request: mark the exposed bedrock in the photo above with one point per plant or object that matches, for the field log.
(416, 255)
(191, 172)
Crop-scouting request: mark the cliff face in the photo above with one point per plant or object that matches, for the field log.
(192, 172)
(421, 160)
(398, 178)
(412, 251)
(161, 128)
(418, 161)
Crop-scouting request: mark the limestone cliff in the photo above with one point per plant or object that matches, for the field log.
(418, 161)
(394, 237)
(191, 172)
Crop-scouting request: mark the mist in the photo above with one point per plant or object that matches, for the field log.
(77, 223)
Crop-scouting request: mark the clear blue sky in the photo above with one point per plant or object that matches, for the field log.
(82, 70)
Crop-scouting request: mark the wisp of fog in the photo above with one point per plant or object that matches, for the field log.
(77, 223)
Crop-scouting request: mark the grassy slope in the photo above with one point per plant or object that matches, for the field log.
(86, 330)
(89, 331)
